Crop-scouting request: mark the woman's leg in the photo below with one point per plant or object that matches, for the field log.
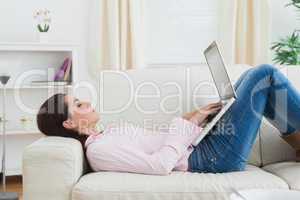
(260, 91)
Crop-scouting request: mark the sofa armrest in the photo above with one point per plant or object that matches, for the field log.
(51, 167)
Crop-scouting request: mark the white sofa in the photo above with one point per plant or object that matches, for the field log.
(54, 168)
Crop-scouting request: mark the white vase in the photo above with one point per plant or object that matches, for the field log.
(43, 37)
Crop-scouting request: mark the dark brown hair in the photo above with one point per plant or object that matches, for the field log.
(51, 116)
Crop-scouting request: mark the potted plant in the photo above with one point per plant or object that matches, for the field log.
(43, 19)
(287, 50)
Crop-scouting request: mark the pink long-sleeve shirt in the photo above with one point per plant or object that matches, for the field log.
(128, 148)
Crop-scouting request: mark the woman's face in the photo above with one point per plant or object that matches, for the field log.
(82, 115)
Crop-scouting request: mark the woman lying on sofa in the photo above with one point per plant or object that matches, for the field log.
(261, 91)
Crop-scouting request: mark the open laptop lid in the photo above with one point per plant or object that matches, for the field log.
(219, 73)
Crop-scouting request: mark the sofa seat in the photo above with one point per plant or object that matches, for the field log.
(178, 185)
(288, 171)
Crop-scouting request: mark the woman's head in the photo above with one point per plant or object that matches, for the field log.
(66, 116)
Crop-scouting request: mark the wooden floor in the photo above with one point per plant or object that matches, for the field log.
(14, 184)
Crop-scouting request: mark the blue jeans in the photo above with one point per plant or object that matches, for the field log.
(261, 91)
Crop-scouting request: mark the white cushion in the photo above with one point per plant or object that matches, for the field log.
(274, 148)
(178, 185)
(185, 87)
(51, 167)
(257, 194)
(288, 171)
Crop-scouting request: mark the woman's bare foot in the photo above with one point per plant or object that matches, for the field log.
(294, 141)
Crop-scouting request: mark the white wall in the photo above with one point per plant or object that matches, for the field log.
(175, 39)
(284, 19)
(177, 31)
(176, 34)
(18, 25)
(69, 23)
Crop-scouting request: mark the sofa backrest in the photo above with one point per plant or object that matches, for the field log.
(152, 97)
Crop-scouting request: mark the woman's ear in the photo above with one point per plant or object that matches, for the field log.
(69, 124)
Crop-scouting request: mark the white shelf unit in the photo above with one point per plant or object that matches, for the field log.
(26, 62)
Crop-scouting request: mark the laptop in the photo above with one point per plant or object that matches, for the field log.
(223, 84)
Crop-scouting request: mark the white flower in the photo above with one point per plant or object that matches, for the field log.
(42, 16)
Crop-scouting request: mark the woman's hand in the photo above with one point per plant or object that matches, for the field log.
(200, 116)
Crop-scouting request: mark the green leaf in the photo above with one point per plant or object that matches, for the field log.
(295, 3)
(40, 28)
(287, 50)
(47, 28)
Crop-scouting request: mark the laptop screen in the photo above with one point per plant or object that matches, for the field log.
(219, 72)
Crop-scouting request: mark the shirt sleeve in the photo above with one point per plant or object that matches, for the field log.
(128, 158)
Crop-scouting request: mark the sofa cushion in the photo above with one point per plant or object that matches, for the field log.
(178, 185)
(274, 148)
(288, 171)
